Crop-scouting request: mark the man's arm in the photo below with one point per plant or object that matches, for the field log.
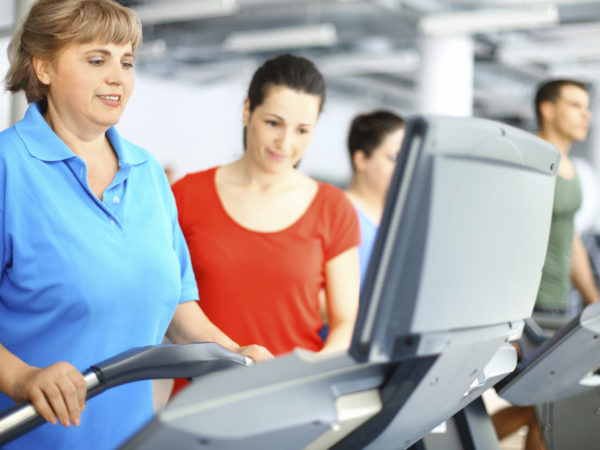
(581, 272)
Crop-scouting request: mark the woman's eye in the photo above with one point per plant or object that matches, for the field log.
(127, 64)
(303, 131)
(271, 123)
(96, 61)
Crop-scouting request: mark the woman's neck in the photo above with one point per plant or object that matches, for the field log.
(81, 143)
(244, 173)
(371, 203)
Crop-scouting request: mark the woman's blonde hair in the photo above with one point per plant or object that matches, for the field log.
(51, 25)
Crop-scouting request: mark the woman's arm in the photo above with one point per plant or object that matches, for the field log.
(342, 284)
(57, 391)
(190, 324)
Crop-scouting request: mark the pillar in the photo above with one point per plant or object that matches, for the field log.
(445, 80)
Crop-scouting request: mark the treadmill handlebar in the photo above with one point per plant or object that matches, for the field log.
(140, 363)
(534, 332)
(164, 361)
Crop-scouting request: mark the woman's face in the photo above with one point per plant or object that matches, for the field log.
(378, 169)
(88, 85)
(280, 129)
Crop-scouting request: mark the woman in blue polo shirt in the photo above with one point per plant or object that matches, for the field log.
(93, 259)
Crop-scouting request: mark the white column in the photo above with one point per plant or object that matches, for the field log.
(445, 81)
(18, 101)
(593, 139)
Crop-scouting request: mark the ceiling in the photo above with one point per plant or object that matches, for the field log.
(372, 47)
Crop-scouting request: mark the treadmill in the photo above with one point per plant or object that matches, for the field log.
(561, 379)
(453, 275)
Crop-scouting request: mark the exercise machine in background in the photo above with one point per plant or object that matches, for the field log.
(560, 377)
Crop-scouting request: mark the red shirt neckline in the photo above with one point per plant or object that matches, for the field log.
(290, 227)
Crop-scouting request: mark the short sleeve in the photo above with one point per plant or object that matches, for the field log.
(343, 226)
(178, 192)
(189, 288)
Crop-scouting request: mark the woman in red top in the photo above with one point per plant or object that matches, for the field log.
(266, 239)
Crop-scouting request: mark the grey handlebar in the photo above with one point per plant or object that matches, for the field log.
(141, 363)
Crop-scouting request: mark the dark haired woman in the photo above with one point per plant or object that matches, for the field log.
(374, 141)
(264, 238)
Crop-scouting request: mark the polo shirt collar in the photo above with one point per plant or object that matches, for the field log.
(44, 144)
(127, 153)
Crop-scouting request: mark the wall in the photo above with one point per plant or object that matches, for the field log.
(4, 95)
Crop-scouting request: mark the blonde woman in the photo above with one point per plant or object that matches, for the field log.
(93, 259)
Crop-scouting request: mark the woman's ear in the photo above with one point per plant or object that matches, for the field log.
(42, 69)
(246, 112)
(359, 158)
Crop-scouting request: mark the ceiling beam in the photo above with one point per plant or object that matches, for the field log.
(182, 11)
(488, 20)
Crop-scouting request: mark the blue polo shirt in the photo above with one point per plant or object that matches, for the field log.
(82, 279)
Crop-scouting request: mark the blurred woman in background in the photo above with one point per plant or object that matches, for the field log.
(374, 141)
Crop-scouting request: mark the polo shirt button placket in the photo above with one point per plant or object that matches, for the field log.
(116, 200)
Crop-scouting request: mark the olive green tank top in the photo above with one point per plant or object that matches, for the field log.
(556, 274)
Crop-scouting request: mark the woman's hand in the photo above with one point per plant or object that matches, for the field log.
(190, 324)
(57, 391)
(255, 352)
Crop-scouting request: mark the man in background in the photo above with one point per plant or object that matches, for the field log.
(562, 110)
(563, 115)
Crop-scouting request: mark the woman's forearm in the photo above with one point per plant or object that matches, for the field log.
(190, 324)
(12, 366)
(57, 391)
(338, 338)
